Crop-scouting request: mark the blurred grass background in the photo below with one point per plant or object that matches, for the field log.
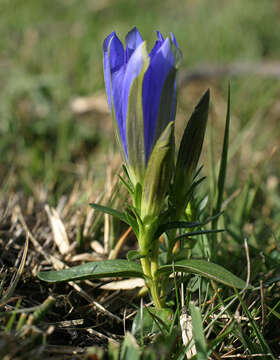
(51, 53)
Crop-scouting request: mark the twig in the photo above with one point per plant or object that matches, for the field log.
(240, 356)
(58, 265)
(208, 71)
(120, 243)
(262, 304)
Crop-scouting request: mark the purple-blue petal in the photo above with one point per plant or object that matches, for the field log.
(117, 87)
(161, 64)
(106, 66)
(133, 69)
(157, 44)
(133, 39)
(122, 67)
(160, 37)
(113, 59)
(174, 40)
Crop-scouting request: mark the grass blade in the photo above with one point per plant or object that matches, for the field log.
(221, 178)
(198, 334)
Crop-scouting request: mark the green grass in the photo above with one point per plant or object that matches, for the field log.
(51, 53)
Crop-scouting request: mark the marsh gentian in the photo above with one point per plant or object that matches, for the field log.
(141, 93)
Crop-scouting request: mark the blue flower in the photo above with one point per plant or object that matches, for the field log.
(141, 93)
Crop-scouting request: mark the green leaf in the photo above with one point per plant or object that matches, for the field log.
(189, 152)
(152, 321)
(113, 350)
(199, 232)
(132, 255)
(184, 224)
(130, 219)
(94, 270)
(110, 211)
(127, 185)
(130, 349)
(206, 269)
(223, 164)
(198, 334)
(125, 217)
(125, 171)
(221, 178)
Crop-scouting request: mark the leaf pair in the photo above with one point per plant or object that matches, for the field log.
(126, 268)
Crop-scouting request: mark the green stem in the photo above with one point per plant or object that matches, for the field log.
(159, 304)
(146, 266)
(151, 281)
(150, 266)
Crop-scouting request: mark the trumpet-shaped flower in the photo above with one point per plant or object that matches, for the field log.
(141, 93)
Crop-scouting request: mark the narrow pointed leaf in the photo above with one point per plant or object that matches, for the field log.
(189, 150)
(205, 269)
(223, 165)
(221, 178)
(184, 224)
(132, 222)
(94, 270)
(110, 211)
(199, 232)
(126, 184)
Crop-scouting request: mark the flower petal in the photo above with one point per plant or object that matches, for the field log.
(174, 40)
(113, 59)
(133, 39)
(117, 86)
(158, 44)
(161, 64)
(133, 108)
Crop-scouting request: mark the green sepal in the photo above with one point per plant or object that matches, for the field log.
(158, 175)
(135, 123)
(189, 152)
(137, 196)
(94, 270)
